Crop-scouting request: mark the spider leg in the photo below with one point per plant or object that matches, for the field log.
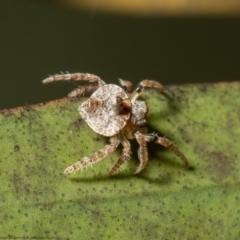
(74, 77)
(97, 82)
(124, 156)
(83, 90)
(95, 157)
(142, 140)
(168, 144)
(126, 85)
(143, 85)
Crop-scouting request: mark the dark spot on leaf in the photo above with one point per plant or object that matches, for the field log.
(16, 148)
(97, 139)
(76, 125)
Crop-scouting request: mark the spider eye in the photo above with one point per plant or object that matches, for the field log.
(124, 88)
(139, 88)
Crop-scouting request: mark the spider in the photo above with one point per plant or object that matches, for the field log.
(113, 111)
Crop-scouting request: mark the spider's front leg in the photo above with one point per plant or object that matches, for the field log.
(168, 144)
(95, 157)
(125, 154)
(95, 80)
(143, 138)
(126, 85)
(144, 85)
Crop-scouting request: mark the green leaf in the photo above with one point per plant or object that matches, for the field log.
(165, 201)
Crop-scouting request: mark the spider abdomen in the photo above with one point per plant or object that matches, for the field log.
(107, 110)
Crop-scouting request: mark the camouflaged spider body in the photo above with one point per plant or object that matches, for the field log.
(114, 112)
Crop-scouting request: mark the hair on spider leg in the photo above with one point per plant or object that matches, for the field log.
(74, 83)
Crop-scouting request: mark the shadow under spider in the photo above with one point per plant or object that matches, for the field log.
(153, 152)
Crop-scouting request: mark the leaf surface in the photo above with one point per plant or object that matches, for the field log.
(165, 201)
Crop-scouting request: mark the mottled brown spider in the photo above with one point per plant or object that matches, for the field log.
(114, 112)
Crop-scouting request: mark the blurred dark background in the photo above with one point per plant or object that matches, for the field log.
(40, 38)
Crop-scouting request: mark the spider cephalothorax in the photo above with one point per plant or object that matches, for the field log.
(114, 112)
